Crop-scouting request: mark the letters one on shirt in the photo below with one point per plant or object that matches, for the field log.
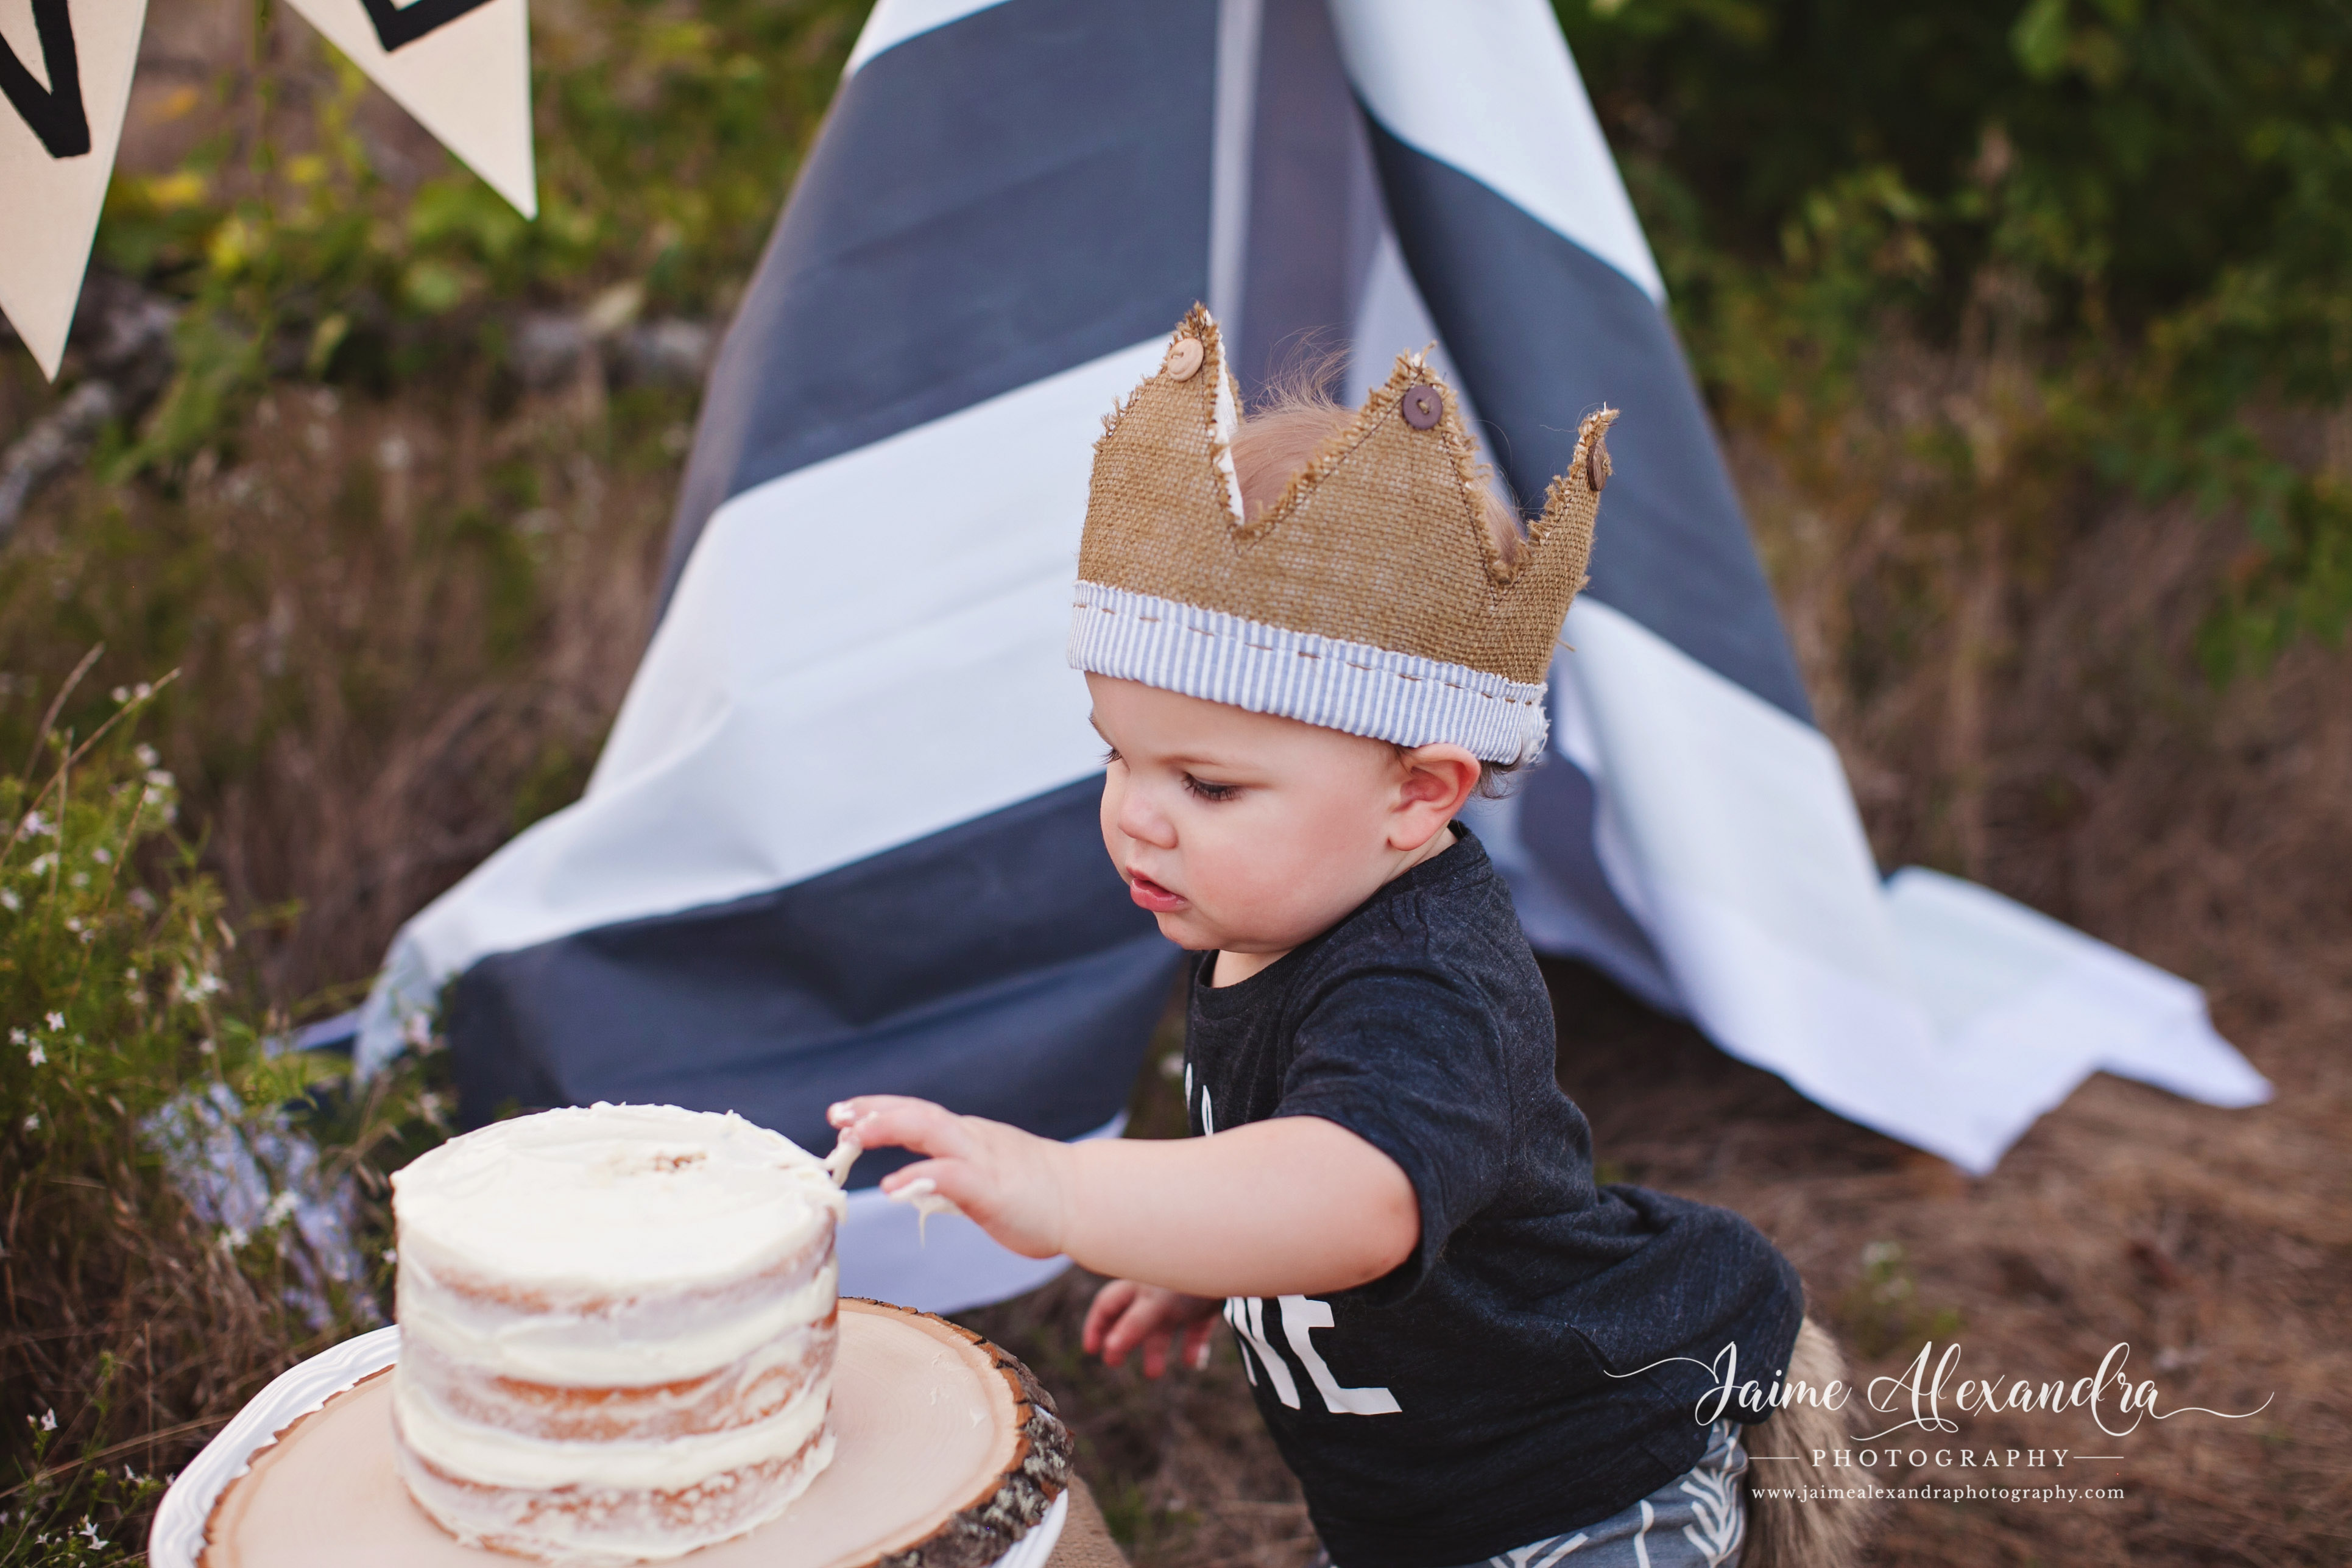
(1301, 1316)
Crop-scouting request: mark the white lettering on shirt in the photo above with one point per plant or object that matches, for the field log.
(1301, 1315)
(1247, 1315)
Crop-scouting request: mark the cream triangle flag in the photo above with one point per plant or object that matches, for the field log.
(461, 66)
(65, 80)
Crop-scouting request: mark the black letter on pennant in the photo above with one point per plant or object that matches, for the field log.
(398, 25)
(56, 116)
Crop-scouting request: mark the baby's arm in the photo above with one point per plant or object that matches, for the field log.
(1291, 1207)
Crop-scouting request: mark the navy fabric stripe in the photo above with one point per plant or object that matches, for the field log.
(997, 967)
(1542, 330)
(992, 202)
(1313, 201)
(1558, 806)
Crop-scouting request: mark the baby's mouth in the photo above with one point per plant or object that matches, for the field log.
(1152, 896)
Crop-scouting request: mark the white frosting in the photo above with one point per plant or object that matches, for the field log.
(605, 1350)
(488, 1456)
(621, 1526)
(611, 1198)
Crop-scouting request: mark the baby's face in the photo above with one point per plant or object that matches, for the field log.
(1252, 833)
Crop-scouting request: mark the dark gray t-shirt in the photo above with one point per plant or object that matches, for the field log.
(1462, 1404)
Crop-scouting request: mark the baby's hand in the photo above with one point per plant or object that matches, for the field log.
(1006, 1181)
(1126, 1314)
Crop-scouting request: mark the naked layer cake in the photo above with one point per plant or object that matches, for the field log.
(617, 1330)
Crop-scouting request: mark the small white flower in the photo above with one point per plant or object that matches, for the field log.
(142, 691)
(281, 1209)
(161, 778)
(80, 879)
(43, 864)
(73, 923)
(233, 1238)
(146, 755)
(9, 902)
(33, 1123)
(97, 1541)
(55, 1020)
(49, 1420)
(392, 1255)
(204, 1047)
(102, 855)
(36, 1056)
(18, 1036)
(120, 694)
(142, 900)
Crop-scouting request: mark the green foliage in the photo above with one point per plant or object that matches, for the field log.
(112, 995)
(119, 998)
(2148, 201)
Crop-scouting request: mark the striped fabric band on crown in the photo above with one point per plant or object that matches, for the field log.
(1322, 680)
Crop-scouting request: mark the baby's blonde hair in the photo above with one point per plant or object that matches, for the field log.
(1275, 443)
(1278, 441)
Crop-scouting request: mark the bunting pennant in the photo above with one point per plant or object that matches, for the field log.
(65, 71)
(461, 66)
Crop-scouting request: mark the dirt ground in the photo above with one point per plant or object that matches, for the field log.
(2215, 1243)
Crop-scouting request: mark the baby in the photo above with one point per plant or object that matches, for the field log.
(1309, 639)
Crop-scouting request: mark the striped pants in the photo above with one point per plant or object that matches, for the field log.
(1695, 1520)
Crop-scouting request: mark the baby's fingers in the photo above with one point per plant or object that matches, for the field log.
(899, 1121)
(1133, 1327)
(1109, 1302)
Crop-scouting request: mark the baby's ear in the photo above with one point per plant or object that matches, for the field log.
(1441, 774)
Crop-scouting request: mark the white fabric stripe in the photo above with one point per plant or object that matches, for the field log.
(859, 653)
(893, 22)
(1941, 1013)
(1239, 25)
(1991, 971)
(1339, 685)
(1489, 87)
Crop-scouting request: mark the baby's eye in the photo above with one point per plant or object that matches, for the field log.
(1211, 791)
(1110, 756)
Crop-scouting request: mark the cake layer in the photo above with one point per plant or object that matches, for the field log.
(752, 1388)
(598, 1526)
(614, 1200)
(494, 1456)
(572, 1339)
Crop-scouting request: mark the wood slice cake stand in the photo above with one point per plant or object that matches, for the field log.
(947, 1455)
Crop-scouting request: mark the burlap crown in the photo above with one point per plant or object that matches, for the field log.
(1369, 598)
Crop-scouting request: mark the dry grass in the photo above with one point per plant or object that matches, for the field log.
(403, 628)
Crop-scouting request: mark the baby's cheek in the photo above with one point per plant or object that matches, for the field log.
(1277, 871)
(1113, 841)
